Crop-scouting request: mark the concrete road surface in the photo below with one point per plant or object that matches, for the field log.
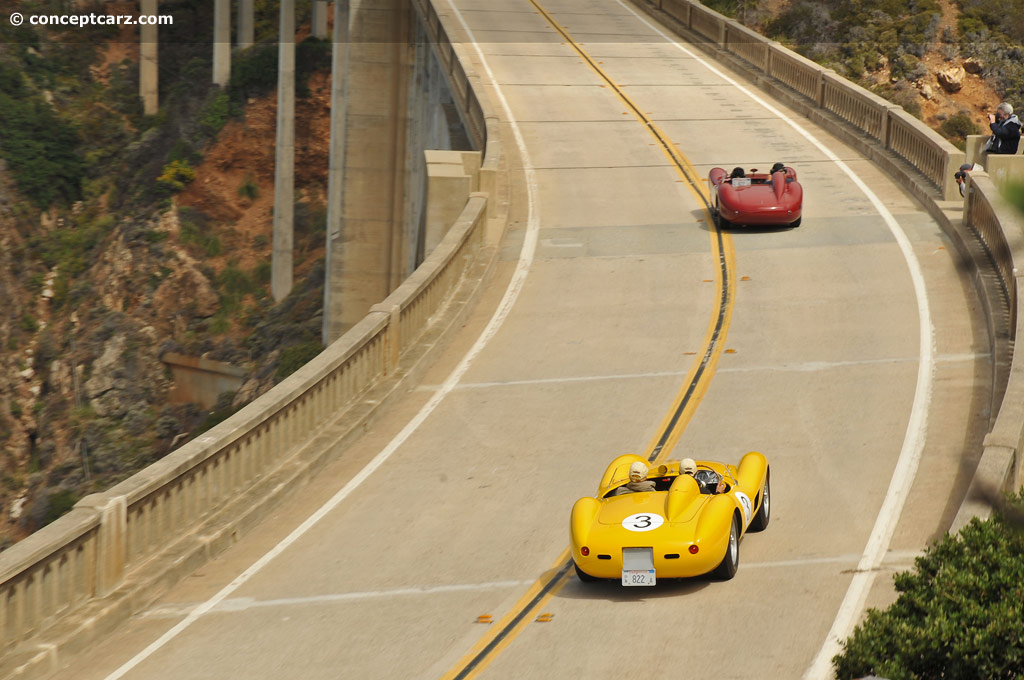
(819, 369)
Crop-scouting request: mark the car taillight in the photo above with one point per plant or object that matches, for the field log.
(584, 551)
(694, 549)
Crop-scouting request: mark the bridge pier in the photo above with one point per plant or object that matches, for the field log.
(284, 165)
(221, 42)
(246, 24)
(336, 175)
(318, 19)
(376, 227)
(148, 74)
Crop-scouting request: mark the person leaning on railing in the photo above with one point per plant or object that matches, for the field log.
(1005, 128)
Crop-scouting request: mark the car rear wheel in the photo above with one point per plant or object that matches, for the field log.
(584, 576)
(760, 521)
(720, 221)
(727, 569)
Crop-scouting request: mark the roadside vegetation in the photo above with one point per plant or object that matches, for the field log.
(958, 614)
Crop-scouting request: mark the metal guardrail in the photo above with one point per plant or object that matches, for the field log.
(90, 552)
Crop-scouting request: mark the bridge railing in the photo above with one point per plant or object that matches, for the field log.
(1000, 229)
(109, 539)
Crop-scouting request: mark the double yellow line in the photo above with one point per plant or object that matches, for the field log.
(501, 634)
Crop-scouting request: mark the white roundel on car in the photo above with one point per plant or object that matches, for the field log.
(643, 521)
(748, 506)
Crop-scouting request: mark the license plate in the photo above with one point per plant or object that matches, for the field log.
(638, 577)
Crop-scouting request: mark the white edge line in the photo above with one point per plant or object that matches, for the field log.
(914, 440)
(515, 286)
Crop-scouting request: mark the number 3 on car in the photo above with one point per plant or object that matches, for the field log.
(684, 528)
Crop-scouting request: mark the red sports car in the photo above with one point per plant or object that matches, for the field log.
(772, 198)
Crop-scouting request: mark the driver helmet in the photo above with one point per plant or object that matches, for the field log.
(637, 472)
(737, 172)
(688, 466)
(778, 167)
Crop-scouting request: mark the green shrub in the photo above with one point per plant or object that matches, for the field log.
(219, 324)
(41, 148)
(249, 189)
(254, 72)
(295, 357)
(957, 127)
(175, 176)
(958, 614)
(215, 114)
(234, 285)
(59, 503)
(196, 230)
(69, 248)
(311, 56)
(262, 272)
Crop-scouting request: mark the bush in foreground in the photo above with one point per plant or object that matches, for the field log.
(958, 614)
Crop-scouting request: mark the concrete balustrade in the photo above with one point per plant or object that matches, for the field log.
(926, 150)
(75, 578)
(1001, 229)
(862, 109)
(801, 74)
(708, 23)
(747, 44)
(677, 9)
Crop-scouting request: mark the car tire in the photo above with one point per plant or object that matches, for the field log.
(584, 576)
(731, 562)
(720, 221)
(796, 223)
(764, 513)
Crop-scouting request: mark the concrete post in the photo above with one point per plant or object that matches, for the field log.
(221, 42)
(112, 540)
(284, 167)
(318, 22)
(332, 329)
(148, 75)
(246, 24)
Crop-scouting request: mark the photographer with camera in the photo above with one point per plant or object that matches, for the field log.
(1005, 128)
(961, 176)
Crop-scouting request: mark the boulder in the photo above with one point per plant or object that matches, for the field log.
(951, 78)
(973, 65)
(186, 288)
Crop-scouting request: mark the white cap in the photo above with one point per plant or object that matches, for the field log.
(638, 468)
(688, 466)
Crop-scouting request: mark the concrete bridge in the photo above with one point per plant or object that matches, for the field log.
(398, 508)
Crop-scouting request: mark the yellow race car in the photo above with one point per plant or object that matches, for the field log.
(679, 519)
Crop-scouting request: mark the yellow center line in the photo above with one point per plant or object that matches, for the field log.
(500, 635)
